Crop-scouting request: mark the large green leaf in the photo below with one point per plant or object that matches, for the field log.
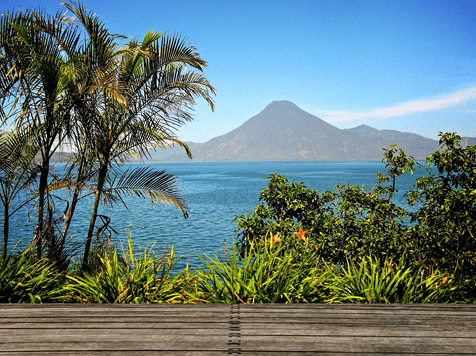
(145, 182)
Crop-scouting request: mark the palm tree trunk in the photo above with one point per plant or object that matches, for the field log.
(69, 218)
(42, 191)
(6, 226)
(101, 179)
(74, 201)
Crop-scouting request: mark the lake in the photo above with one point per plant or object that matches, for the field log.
(215, 193)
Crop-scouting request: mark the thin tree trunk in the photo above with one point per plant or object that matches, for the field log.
(6, 226)
(74, 201)
(101, 180)
(42, 191)
(69, 218)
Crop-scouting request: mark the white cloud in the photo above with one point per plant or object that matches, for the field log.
(409, 107)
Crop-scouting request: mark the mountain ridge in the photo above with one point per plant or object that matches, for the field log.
(284, 132)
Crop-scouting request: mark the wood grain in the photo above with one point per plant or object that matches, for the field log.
(238, 329)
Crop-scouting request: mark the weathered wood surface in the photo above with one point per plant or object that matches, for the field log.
(221, 329)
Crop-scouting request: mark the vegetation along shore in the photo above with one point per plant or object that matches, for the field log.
(106, 98)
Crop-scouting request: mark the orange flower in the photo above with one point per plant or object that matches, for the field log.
(301, 234)
(274, 238)
(445, 279)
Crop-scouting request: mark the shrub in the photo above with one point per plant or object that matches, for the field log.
(23, 280)
(372, 281)
(267, 273)
(143, 279)
(435, 230)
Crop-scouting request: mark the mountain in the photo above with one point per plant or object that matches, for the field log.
(468, 141)
(284, 132)
(57, 157)
(161, 155)
(414, 145)
(173, 153)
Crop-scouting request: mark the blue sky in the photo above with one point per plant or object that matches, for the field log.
(408, 65)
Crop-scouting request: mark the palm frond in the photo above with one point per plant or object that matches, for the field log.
(16, 148)
(145, 182)
(174, 49)
(140, 137)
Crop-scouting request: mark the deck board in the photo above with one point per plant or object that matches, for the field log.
(238, 329)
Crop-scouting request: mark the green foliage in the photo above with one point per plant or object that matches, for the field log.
(266, 274)
(372, 281)
(446, 219)
(345, 224)
(300, 245)
(286, 207)
(435, 230)
(143, 279)
(22, 280)
(17, 173)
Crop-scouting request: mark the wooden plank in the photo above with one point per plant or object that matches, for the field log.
(120, 319)
(362, 345)
(138, 353)
(245, 348)
(185, 344)
(325, 307)
(217, 337)
(274, 330)
(272, 308)
(271, 331)
(40, 335)
(251, 318)
(222, 353)
(256, 312)
(193, 324)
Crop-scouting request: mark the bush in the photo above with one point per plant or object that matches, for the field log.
(266, 274)
(128, 279)
(372, 281)
(435, 230)
(23, 280)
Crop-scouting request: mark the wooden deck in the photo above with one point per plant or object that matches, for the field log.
(238, 329)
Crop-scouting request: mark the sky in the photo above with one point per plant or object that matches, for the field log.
(407, 65)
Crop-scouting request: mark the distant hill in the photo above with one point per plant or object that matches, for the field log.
(163, 155)
(57, 157)
(284, 132)
(468, 141)
(159, 155)
(415, 145)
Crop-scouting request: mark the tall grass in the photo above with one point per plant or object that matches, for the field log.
(266, 274)
(372, 281)
(24, 280)
(131, 279)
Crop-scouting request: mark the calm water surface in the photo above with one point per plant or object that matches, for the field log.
(215, 193)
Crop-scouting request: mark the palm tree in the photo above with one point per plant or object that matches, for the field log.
(109, 101)
(34, 82)
(140, 95)
(17, 172)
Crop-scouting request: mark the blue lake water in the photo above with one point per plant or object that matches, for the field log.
(215, 193)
